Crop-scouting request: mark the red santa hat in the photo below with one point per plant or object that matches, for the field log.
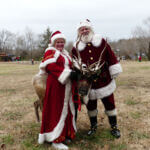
(56, 35)
(85, 23)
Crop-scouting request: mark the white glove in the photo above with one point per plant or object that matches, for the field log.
(114, 76)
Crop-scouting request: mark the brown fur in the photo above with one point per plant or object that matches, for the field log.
(39, 84)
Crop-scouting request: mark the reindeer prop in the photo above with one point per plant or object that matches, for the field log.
(87, 72)
(39, 84)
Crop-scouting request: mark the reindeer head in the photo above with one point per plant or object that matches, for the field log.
(87, 71)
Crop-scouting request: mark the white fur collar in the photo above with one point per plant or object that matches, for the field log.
(53, 48)
(96, 41)
(66, 53)
(50, 48)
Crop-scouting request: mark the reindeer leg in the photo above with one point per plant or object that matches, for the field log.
(41, 104)
(36, 106)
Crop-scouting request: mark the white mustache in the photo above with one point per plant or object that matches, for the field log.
(87, 38)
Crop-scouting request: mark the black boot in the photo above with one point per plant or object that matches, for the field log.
(93, 128)
(113, 122)
(75, 99)
(76, 111)
(115, 132)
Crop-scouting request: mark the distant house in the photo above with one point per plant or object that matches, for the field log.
(7, 57)
(4, 57)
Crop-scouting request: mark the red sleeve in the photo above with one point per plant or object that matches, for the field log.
(114, 66)
(59, 69)
(111, 58)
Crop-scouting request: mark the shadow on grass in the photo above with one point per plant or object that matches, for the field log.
(100, 140)
(85, 142)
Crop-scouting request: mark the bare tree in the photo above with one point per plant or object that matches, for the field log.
(142, 36)
(124, 47)
(6, 38)
(30, 41)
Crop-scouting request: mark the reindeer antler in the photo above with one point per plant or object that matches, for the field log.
(90, 69)
(93, 68)
(77, 62)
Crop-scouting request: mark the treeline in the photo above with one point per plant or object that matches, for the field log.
(137, 45)
(30, 45)
(132, 48)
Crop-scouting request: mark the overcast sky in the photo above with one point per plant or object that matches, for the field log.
(110, 18)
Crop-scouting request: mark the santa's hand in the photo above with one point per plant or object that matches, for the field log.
(114, 76)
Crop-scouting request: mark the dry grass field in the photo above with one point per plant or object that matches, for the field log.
(19, 129)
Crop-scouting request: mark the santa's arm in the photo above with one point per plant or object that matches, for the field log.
(114, 66)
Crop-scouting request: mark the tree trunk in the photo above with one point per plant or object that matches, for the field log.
(148, 55)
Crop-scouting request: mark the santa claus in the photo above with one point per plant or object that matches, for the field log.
(91, 47)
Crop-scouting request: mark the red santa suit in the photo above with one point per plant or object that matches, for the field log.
(105, 85)
(58, 116)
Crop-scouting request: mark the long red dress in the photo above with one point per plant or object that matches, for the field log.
(58, 117)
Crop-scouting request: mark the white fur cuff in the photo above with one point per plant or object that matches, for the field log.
(115, 69)
(111, 112)
(64, 76)
(41, 139)
(93, 113)
(103, 92)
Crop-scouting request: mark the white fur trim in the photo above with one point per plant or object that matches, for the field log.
(96, 41)
(67, 54)
(103, 92)
(57, 36)
(66, 72)
(84, 23)
(111, 112)
(64, 76)
(51, 136)
(81, 46)
(50, 48)
(73, 113)
(115, 69)
(41, 138)
(64, 51)
(93, 113)
(49, 61)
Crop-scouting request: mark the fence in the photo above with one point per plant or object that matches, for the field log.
(22, 62)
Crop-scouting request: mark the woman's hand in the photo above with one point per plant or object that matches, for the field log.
(75, 75)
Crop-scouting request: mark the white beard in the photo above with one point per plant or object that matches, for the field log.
(87, 38)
